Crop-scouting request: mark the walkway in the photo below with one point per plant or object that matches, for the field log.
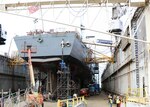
(98, 101)
(92, 101)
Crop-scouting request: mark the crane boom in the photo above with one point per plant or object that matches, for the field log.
(85, 42)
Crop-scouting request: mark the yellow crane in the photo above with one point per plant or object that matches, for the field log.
(16, 60)
(101, 58)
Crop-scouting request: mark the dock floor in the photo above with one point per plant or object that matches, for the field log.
(92, 101)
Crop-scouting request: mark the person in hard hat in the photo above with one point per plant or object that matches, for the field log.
(118, 102)
(75, 95)
(40, 98)
(110, 100)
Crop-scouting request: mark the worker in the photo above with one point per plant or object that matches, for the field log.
(118, 102)
(2, 102)
(110, 101)
(40, 98)
(64, 104)
(49, 96)
(75, 95)
(114, 98)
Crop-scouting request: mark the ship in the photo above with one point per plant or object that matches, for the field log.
(58, 60)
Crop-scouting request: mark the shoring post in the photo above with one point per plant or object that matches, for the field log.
(2, 99)
(18, 97)
(9, 93)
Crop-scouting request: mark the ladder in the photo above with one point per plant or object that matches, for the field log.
(136, 55)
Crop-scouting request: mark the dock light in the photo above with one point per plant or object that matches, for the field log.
(62, 44)
(65, 44)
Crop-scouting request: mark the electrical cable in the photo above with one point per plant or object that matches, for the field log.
(96, 16)
(75, 17)
(59, 14)
(85, 2)
(81, 10)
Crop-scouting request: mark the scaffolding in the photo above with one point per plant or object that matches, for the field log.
(65, 86)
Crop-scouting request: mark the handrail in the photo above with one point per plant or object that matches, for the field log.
(71, 102)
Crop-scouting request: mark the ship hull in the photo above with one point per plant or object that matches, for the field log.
(49, 45)
(48, 54)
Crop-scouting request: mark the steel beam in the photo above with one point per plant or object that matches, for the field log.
(61, 2)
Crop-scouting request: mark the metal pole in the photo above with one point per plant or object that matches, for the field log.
(148, 68)
(2, 99)
(30, 67)
(18, 97)
(62, 47)
(42, 18)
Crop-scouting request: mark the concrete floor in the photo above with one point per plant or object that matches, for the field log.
(98, 101)
(92, 101)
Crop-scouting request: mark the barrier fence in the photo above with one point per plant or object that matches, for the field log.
(17, 99)
(137, 95)
(72, 102)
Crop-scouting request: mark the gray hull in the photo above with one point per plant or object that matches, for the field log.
(49, 45)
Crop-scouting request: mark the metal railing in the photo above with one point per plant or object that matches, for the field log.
(17, 99)
(137, 95)
(72, 102)
(137, 92)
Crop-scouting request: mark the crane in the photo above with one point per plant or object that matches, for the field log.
(17, 60)
(133, 3)
(33, 96)
(101, 59)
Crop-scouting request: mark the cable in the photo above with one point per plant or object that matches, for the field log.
(82, 27)
(77, 15)
(59, 14)
(10, 46)
(68, 4)
(96, 16)
(81, 10)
